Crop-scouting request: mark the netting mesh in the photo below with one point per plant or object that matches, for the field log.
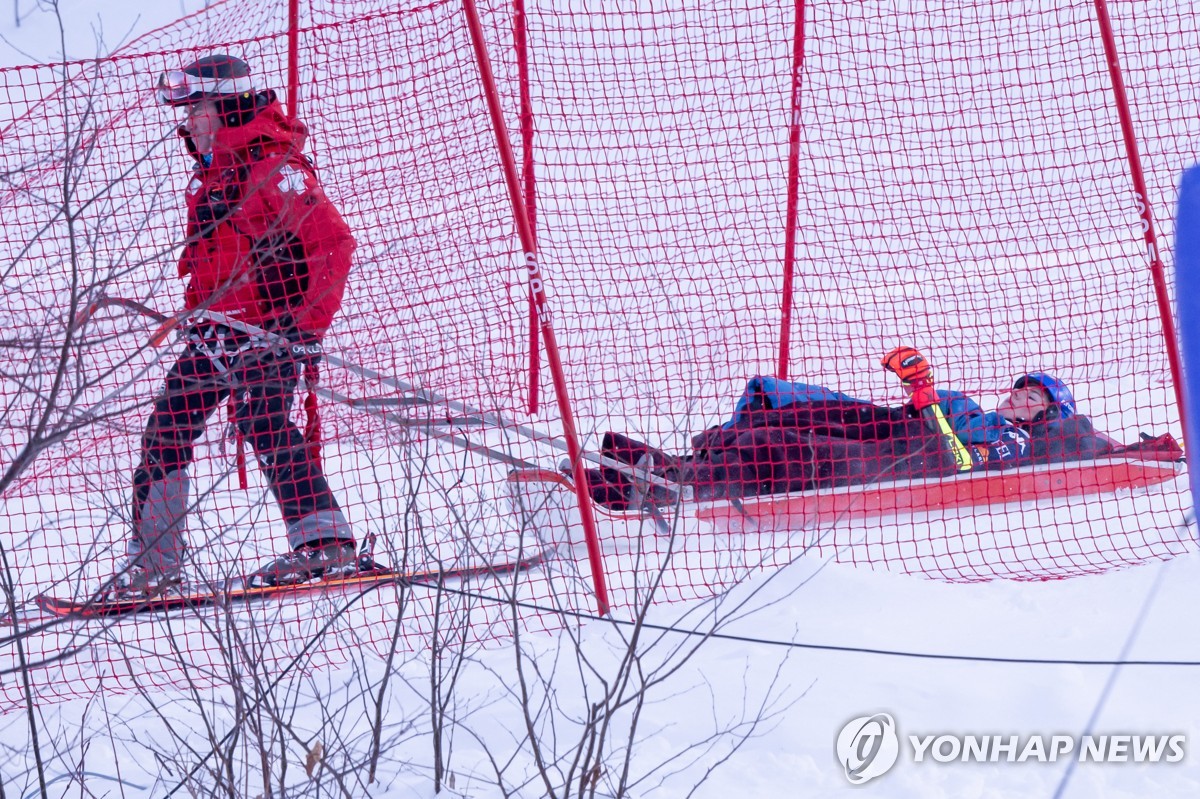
(963, 187)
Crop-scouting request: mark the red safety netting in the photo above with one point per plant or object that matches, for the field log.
(962, 187)
(400, 139)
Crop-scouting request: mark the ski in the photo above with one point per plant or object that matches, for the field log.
(236, 590)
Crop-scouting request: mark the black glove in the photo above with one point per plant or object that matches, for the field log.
(304, 347)
(305, 350)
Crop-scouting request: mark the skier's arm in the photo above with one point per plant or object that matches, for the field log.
(914, 372)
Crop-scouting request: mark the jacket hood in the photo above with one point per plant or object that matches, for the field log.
(270, 129)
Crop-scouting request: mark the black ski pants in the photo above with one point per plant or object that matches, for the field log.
(264, 385)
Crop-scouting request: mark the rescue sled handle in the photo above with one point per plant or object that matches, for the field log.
(496, 420)
(422, 396)
(428, 428)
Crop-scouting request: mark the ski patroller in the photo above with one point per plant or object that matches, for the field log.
(237, 591)
(417, 396)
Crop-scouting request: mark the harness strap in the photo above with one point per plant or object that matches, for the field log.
(312, 425)
(240, 443)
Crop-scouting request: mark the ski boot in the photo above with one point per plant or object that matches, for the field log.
(330, 560)
(135, 580)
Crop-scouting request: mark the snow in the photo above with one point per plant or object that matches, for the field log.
(90, 28)
(1140, 613)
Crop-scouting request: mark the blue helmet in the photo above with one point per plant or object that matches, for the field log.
(1062, 403)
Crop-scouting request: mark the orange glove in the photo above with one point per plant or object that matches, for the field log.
(908, 365)
(913, 370)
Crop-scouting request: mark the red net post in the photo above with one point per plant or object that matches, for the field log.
(537, 288)
(529, 179)
(793, 200)
(1142, 199)
(293, 79)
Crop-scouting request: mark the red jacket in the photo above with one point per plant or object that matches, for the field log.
(263, 239)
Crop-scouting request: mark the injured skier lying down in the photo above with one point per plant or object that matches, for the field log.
(787, 436)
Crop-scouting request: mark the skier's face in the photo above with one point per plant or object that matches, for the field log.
(1024, 404)
(202, 123)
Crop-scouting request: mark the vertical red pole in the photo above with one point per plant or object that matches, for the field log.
(538, 288)
(1142, 198)
(521, 43)
(293, 95)
(793, 196)
(312, 427)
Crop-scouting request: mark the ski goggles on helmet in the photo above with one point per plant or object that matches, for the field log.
(176, 87)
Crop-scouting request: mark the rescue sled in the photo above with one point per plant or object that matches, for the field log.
(542, 496)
